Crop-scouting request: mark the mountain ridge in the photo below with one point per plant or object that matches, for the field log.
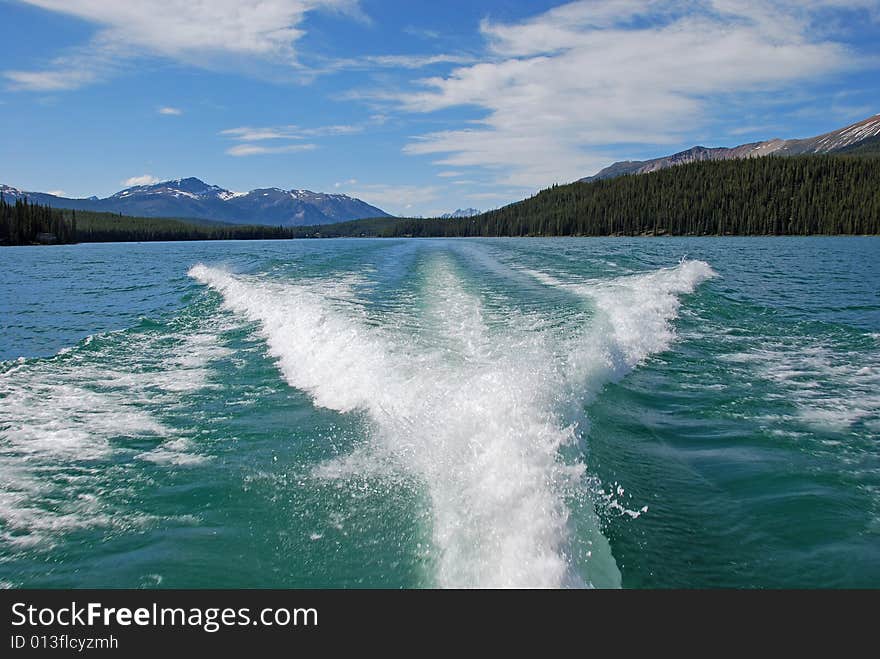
(193, 198)
(840, 140)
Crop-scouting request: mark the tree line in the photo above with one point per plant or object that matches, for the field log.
(803, 195)
(96, 227)
(22, 223)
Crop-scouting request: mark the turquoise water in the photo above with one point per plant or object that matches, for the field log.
(421, 413)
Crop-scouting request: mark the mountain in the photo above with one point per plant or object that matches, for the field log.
(193, 198)
(460, 212)
(861, 137)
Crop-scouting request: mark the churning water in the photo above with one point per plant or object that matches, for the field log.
(453, 413)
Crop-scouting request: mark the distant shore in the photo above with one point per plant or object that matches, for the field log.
(771, 196)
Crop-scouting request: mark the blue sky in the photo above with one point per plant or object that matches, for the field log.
(419, 107)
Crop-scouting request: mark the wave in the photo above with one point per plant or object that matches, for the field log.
(832, 387)
(633, 317)
(477, 407)
(92, 413)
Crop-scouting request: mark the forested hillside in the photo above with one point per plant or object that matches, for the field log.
(756, 196)
(22, 223)
(802, 195)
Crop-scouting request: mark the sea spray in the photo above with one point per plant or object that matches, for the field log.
(474, 414)
(484, 449)
(71, 424)
(633, 320)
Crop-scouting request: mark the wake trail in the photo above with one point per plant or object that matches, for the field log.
(477, 411)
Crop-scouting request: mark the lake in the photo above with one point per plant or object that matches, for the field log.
(669, 412)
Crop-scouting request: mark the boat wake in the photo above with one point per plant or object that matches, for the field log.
(477, 404)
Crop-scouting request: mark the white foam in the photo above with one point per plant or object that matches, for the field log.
(474, 409)
(62, 418)
(634, 315)
(43, 418)
(833, 388)
(179, 452)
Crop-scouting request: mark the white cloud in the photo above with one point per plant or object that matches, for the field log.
(60, 79)
(256, 149)
(290, 133)
(170, 111)
(400, 61)
(407, 61)
(323, 131)
(194, 31)
(449, 174)
(248, 133)
(560, 90)
(349, 182)
(255, 134)
(143, 179)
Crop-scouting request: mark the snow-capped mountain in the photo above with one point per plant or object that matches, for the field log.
(193, 198)
(460, 212)
(843, 139)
